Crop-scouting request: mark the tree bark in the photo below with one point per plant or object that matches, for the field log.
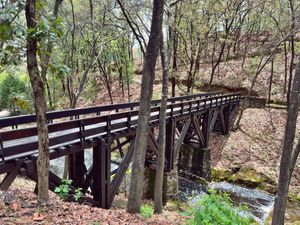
(288, 156)
(292, 42)
(271, 81)
(39, 104)
(136, 184)
(159, 178)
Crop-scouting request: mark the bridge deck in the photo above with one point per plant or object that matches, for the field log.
(18, 146)
(23, 143)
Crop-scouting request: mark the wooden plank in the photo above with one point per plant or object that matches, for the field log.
(121, 171)
(198, 130)
(206, 124)
(182, 136)
(214, 119)
(170, 136)
(8, 179)
(17, 120)
(77, 168)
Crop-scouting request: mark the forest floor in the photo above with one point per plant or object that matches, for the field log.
(257, 144)
(19, 206)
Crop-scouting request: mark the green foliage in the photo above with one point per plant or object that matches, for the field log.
(78, 194)
(64, 189)
(11, 33)
(13, 94)
(218, 209)
(147, 211)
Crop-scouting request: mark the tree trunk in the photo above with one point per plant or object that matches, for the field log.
(158, 193)
(286, 163)
(136, 184)
(39, 104)
(292, 42)
(285, 67)
(271, 81)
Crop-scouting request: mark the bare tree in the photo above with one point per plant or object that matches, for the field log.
(165, 54)
(289, 155)
(136, 185)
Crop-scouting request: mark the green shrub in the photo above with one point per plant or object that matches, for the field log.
(147, 211)
(217, 209)
(13, 94)
(64, 189)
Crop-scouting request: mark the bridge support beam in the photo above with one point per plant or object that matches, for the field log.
(101, 175)
(77, 169)
(170, 135)
(227, 118)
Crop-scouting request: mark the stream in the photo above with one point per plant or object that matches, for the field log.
(259, 203)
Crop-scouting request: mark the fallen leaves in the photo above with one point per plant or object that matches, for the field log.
(14, 206)
(256, 144)
(38, 217)
(25, 210)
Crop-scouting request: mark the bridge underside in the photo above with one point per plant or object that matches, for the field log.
(112, 141)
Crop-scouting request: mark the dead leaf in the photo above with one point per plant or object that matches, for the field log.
(38, 217)
(14, 206)
(24, 210)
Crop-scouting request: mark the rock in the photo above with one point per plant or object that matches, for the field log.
(6, 197)
(220, 174)
(172, 206)
(247, 176)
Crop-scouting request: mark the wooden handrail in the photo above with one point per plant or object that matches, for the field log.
(24, 119)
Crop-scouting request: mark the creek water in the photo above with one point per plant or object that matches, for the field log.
(259, 203)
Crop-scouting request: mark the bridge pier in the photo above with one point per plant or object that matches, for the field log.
(195, 162)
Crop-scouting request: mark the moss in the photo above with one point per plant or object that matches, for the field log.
(149, 192)
(220, 174)
(247, 176)
(294, 197)
(172, 205)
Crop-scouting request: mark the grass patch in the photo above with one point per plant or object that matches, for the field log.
(218, 209)
(147, 211)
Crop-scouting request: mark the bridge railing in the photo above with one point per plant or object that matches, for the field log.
(16, 121)
(23, 142)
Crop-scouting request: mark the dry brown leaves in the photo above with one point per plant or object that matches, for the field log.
(23, 209)
(257, 144)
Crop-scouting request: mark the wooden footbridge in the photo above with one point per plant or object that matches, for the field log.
(110, 131)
